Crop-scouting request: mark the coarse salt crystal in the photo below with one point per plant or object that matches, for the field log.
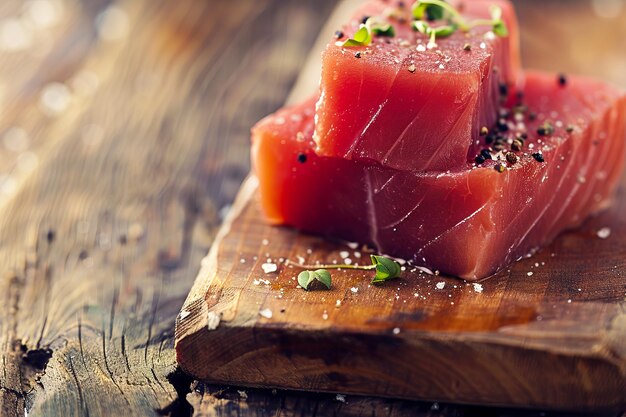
(440, 285)
(341, 398)
(530, 273)
(344, 254)
(353, 245)
(184, 314)
(425, 270)
(265, 242)
(267, 313)
(396, 330)
(269, 267)
(354, 290)
(338, 303)
(478, 287)
(604, 233)
(213, 320)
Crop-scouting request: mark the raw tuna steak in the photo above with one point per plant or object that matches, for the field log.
(501, 204)
(399, 103)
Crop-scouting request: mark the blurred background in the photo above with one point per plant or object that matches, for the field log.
(124, 136)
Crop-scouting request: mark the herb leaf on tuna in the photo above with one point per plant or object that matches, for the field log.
(362, 37)
(424, 10)
(371, 26)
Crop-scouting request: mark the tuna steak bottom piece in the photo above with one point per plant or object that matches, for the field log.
(549, 163)
(407, 106)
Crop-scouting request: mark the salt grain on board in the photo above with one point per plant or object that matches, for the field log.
(267, 313)
(269, 267)
(354, 290)
(425, 270)
(213, 320)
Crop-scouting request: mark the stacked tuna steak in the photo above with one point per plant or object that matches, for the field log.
(434, 150)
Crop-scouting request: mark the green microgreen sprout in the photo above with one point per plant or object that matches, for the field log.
(386, 269)
(362, 37)
(372, 27)
(434, 32)
(425, 10)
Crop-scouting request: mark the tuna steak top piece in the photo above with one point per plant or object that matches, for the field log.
(557, 160)
(404, 105)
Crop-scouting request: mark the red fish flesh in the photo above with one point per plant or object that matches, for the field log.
(550, 162)
(405, 106)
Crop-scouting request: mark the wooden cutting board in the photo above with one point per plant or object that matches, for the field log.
(548, 333)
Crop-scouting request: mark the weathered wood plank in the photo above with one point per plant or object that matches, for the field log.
(549, 315)
(100, 241)
(209, 401)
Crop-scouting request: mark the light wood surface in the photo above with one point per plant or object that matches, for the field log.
(109, 205)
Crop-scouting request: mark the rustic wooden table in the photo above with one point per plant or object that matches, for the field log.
(123, 140)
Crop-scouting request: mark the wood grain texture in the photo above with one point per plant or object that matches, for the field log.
(133, 123)
(548, 333)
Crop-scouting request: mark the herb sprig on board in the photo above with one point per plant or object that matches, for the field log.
(386, 269)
